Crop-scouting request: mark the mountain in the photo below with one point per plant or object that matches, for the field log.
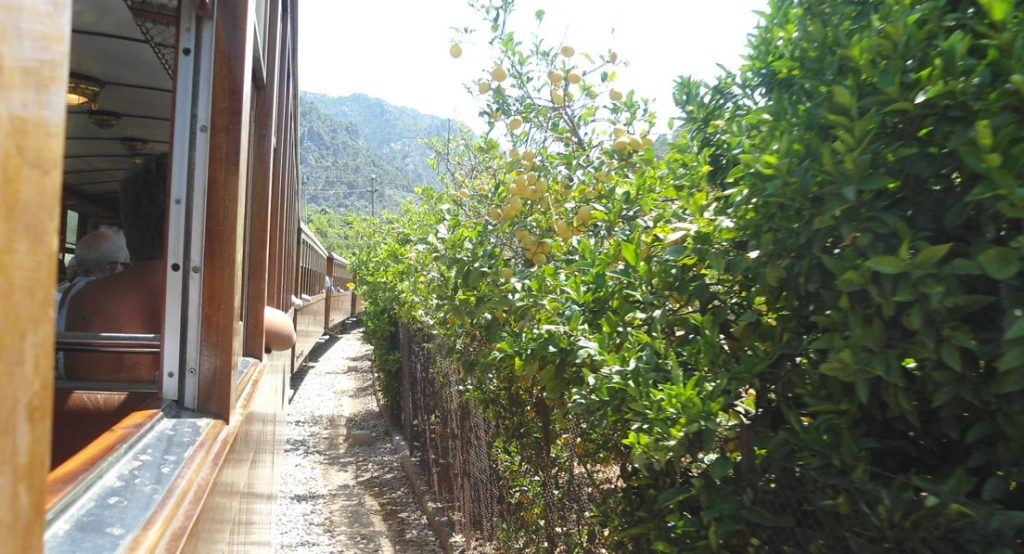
(346, 140)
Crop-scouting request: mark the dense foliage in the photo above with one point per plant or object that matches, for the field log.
(802, 329)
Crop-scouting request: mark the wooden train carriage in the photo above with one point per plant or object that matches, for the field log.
(187, 461)
(341, 298)
(311, 302)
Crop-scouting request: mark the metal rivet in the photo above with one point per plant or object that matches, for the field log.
(191, 371)
(186, 50)
(202, 128)
(170, 374)
(195, 269)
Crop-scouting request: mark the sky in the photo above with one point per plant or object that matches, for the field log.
(397, 50)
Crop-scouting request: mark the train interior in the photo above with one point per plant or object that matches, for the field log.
(120, 112)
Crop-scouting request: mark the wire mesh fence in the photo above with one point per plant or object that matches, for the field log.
(543, 488)
(450, 439)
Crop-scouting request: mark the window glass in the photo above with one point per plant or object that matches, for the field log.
(70, 235)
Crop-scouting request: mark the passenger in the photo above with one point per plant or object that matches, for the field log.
(130, 301)
(98, 254)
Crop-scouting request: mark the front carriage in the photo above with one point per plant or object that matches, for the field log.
(188, 459)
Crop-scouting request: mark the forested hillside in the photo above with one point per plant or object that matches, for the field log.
(346, 140)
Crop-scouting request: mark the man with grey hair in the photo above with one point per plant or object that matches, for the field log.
(98, 254)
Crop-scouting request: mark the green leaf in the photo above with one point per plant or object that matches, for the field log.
(1015, 330)
(1000, 262)
(863, 388)
(629, 253)
(951, 355)
(979, 431)
(887, 264)
(842, 96)
(994, 489)
(1011, 359)
(931, 255)
(997, 9)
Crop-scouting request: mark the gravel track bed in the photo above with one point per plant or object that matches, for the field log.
(337, 495)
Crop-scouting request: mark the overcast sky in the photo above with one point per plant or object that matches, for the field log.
(398, 49)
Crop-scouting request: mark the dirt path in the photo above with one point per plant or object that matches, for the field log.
(337, 495)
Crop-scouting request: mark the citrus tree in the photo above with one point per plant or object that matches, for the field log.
(800, 328)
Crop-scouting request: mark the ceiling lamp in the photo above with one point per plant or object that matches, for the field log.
(83, 89)
(134, 145)
(104, 119)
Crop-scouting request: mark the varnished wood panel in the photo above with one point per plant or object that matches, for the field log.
(34, 50)
(236, 514)
(221, 334)
(259, 217)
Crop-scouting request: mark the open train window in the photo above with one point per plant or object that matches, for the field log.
(154, 445)
(116, 181)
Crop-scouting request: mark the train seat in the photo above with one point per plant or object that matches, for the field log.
(82, 416)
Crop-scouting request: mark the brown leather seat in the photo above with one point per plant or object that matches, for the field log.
(80, 417)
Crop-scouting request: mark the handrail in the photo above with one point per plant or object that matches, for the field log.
(136, 343)
(105, 386)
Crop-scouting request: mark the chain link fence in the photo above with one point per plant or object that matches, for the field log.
(541, 488)
(457, 447)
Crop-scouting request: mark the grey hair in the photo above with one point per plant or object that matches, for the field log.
(97, 250)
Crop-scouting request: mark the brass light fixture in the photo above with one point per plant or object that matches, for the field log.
(134, 145)
(104, 119)
(83, 89)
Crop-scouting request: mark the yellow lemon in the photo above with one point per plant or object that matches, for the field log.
(521, 234)
(542, 187)
(515, 123)
(455, 50)
(539, 259)
(484, 87)
(621, 144)
(648, 142)
(619, 130)
(528, 155)
(563, 230)
(615, 95)
(557, 98)
(513, 154)
(568, 51)
(575, 78)
(635, 143)
(507, 273)
(555, 77)
(499, 74)
(585, 214)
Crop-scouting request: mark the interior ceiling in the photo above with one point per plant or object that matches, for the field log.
(130, 46)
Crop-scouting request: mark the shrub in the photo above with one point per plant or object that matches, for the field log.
(801, 329)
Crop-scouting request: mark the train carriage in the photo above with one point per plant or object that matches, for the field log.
(89, 91)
